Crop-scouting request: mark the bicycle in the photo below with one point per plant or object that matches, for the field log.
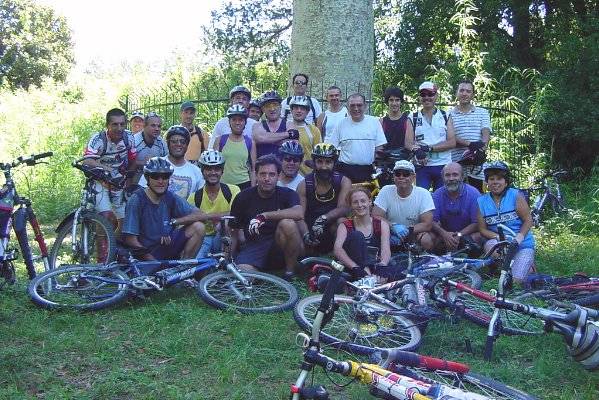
(383, 170)
(398, 375)
(94, 287)
(84, 236)
(579, 289)
(18, 219)
(548, 193)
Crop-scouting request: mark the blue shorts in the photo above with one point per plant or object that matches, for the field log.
(258, 253)
(174, 249)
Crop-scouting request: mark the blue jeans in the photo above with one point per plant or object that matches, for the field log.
(211, 244)
(427, 175)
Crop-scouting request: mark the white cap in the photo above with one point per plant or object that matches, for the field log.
(427, 85)
(404, 165)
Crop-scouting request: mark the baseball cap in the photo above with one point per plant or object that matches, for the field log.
(136, 114)
(404, 165)
(187, 104)
(427, 85)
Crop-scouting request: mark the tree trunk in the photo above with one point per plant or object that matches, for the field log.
(332, 41)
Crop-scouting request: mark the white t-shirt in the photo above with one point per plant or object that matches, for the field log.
(222, 127)
(186, 179)
(431, 134)
(357, 141)
(333, 119)
(404, 210)
(310, 118)
(293, 184)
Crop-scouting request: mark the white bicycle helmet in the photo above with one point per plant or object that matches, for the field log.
(299, 101)
(237, 109)
(585, 345)
(211, 158)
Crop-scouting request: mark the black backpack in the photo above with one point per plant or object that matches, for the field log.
(104, 137)
(224, 188)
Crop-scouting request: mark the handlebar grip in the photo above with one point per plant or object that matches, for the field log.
(329, 292)
(43, 155)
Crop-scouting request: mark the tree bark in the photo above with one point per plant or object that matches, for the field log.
(332, 41)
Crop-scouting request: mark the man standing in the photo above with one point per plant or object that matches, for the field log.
(300, 86)
(323, 196)
(214, 200)
(456, 210)
(472, 126)
(395, 122)
(291, 155)
(199, 139)
(136, 122)
(267, 215)
(405, 205)
(328, 120)
(113, 151)
(255, 110)
(187, 177)
(272, 131)
(308, 134)
(357, 137)
(148, 143)
(152, 215)
(239, 95)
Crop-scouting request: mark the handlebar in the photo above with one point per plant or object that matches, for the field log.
(99, 173)
(29, 161)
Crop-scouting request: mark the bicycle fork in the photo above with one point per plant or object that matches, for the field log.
(238, 278)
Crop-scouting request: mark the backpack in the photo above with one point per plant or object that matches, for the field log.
(288, 110)
(224, 188)
(198, 131)
(415, 118)
(376, 226)
(104, 137)
(223, 141)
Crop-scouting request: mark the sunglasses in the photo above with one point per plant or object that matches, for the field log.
(300, 83)
(402, 174)
(158, 177)
(292, 159)
(426, 93)
(177, 141)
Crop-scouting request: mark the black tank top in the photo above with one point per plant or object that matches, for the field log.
(395, 131)
(270, 148)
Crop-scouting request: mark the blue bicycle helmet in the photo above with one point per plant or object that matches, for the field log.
(493, 167)
(292, 148)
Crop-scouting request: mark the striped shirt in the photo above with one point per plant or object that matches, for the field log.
(468, 126)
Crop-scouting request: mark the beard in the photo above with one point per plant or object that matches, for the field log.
(453, 186)
(323, 175)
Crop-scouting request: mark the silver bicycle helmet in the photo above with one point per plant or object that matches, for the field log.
(240, 89)
(291, 148)
(585, 345)
(211, 158)
(271, 96)
(237, 109)
(157, 165)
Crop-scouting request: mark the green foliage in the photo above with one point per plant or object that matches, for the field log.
(35, 44)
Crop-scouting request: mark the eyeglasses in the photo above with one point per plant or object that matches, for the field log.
(157, 177)
(177, 141)
(300, 83)
(426, 93)
(270, 105)
(402, 174)
(292, 159)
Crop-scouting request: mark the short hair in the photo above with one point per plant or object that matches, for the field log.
(299, 74)
(333, 87)
(115, 112)
(461, 169)
(360, 95)
(267, 159)
(393, 91)
(469, 82)
(356, 190)
(149, 115)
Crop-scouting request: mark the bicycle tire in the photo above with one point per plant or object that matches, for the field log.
(266, 294)
(62, 249)
(358, 337)
(66, 288)
(471, 382)
(468, 277)
(582, 297)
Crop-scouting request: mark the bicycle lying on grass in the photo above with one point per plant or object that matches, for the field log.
(549, 194)
(18, 219)
(579, 289)
(399, 375)
(93, 287)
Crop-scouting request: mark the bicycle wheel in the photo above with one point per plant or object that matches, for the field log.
(360, 327)
(470, 382)
(266, 293)
(586, 296)
(94, 242)
(79, 287)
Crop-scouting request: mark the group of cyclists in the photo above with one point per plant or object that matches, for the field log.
(290, 174)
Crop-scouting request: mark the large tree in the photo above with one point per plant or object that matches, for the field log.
(35, 43)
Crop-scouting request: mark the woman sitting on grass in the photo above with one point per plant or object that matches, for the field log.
(362, 242)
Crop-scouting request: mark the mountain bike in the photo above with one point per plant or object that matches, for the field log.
(84, 236)
(18, 219)
(94, 287)
(548, 195)
(398, 375)
(580, 288)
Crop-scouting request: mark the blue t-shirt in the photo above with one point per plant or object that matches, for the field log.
(505, 214)
(456, 214)
(149, 221)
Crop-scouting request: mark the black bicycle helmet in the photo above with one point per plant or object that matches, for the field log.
(325, 150)
(157, 165)
(494, 166)
(256, 103)
(271, 95)
(178, 130)
(291, 148)
(240, 89)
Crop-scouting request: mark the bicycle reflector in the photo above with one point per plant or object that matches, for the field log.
(586, 350)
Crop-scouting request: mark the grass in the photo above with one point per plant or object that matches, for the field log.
(173, 346)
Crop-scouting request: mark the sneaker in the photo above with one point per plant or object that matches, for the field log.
(289, 276)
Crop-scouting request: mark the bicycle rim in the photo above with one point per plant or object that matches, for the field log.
(360, 328)
(79, 288)
(265, 293)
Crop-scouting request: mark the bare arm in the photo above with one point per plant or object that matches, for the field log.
(425, 224)
(379, 212)
(295, 213)
(486, 136)
(253, 155)
(523, 211)
(260, 135)
(385, 243)
(301, 191)
(409, 141)
(483, 229)
(319, 121)
(340, 254)
(196, 215)
(133, 242)
(448, 143)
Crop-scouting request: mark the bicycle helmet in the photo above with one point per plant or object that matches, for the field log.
(158, 165)
(237, 109)
(240, 89)
(291, 148)
(256, 103)
(178, 130)
(494, 166)
(585, 346)
(211, 158)
(299, 101)
(473, 157)
(271, 96)
(325, 150)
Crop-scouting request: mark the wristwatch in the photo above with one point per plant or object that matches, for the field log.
(459, 234)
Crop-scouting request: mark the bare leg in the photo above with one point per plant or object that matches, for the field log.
(194, 234)
(288, 238)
